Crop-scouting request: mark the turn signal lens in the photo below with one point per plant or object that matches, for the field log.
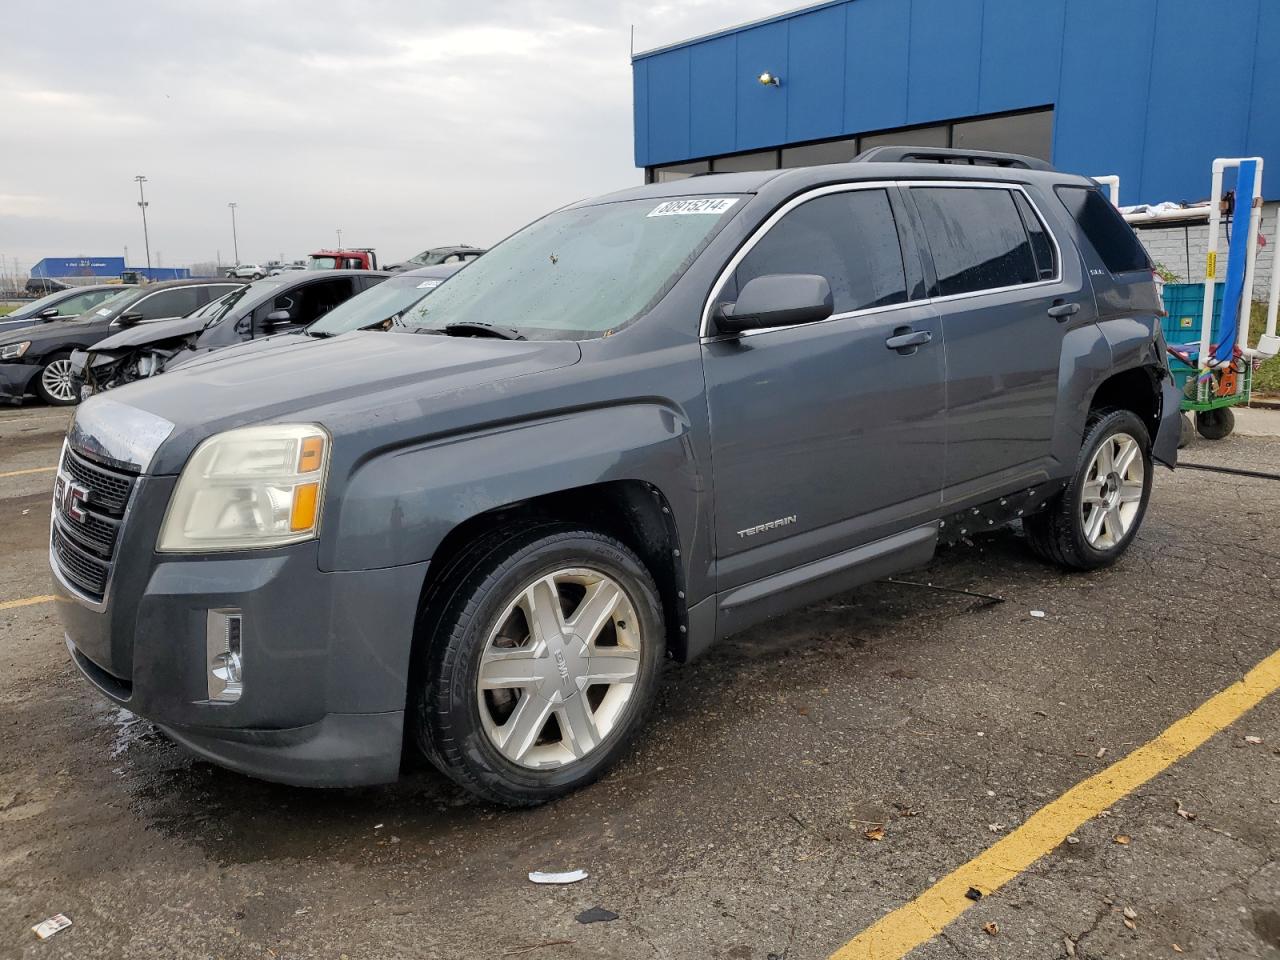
(312, 455)
(303, 515)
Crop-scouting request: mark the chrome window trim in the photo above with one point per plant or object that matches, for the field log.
(705, 332)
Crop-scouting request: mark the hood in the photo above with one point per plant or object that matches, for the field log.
(335, 381)
(144, 333)
(57, 331)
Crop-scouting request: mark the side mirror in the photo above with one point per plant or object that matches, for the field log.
(279, 317)
(778, 300)
(48, 313)
(129, 319)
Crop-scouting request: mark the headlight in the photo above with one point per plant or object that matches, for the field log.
(249, 487)
(14, 350)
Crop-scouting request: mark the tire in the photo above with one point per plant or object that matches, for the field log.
(1186, 431)
(54, 383)
(257, 276)
(1215, 424)
(491, 733)
(1060, 533)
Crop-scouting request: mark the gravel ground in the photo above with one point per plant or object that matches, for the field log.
(738, 827)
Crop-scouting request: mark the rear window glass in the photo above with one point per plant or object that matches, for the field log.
(977, 238)
(1120, 249)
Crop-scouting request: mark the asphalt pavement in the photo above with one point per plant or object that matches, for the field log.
(796, 785)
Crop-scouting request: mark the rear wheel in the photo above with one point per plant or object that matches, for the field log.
(538, 659)
(1093, 521)
(55, 383)
(1186, 430)
(1215, 424)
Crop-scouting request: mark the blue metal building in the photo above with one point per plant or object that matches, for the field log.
(1151, 90)
(69, 268)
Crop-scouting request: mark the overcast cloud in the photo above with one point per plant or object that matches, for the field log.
(407, 125)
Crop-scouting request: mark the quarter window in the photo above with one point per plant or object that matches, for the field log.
(1115, 241)
(1041, 245)
(977, 238)
(850, 238)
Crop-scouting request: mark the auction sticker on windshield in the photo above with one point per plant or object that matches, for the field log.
(712, 205)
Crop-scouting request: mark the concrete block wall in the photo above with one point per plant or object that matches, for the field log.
(1169, 246)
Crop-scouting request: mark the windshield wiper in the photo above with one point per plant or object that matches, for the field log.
(474, 328)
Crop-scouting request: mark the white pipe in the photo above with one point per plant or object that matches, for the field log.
(1269, 343)
(1113, 187)
(1251, 254)
(1210, 270)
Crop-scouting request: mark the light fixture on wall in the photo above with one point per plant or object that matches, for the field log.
(768, 79)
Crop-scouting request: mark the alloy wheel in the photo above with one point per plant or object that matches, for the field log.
(1111, 496)
(559, 668)
(58, 382)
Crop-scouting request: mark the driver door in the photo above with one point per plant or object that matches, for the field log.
(824, 437)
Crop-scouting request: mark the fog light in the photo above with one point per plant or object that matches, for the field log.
(223, 654)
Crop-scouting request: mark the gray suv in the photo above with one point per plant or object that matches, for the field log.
(639, 424)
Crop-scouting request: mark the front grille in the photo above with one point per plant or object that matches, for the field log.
(89, 504)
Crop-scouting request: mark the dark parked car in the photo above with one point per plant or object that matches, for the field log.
(38, 359)
(640, 424)
(438, 255)
(59, 305)
(281, 304)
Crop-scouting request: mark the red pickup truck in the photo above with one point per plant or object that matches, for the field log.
(356, 258)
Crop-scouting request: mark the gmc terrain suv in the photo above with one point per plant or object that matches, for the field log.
(637, 425)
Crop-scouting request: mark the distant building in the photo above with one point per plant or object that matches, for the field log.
(75, 270)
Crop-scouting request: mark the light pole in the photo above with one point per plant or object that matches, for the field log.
(142, 203)
(339, 238)
(235, 244)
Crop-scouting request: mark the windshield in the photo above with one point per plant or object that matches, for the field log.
(214, 311)
(322, 263)
(384, 302)
(110, 305)
(579, 273)
(432, 257)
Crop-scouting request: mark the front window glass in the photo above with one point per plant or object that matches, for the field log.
(849, 238)
(385, 302)
(322, 263)
(578, 273)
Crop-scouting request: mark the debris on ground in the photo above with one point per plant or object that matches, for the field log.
(1038, 614)
(596, 915)
(995, 827)
(1176, 948)
(55, 924)
(567, 876)
(1253, 740)
(973, 893)
(875, 833)
(1130, 915)
(991, 929)
(1069, 945)
(535, 946)
(1102, 752)
(1183, 812)
(1073, 840)
(1121, 838)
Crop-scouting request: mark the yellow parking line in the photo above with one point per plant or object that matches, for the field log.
(898, 933)
(25, 602)
(23, 473)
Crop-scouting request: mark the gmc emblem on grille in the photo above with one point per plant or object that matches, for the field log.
(70, 498)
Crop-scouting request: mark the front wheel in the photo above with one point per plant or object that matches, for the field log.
(538, 658)
(1093, 521)
(56, 383)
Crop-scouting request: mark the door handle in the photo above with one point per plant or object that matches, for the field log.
(905, 340)
(1061, 310)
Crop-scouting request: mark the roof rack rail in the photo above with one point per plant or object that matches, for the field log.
(977, 158)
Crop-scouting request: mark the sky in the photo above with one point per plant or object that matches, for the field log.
(406, 125)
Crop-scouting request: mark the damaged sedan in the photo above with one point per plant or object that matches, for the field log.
(273, 305)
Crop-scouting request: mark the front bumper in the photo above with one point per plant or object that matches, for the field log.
(325, 655)
(15, 379)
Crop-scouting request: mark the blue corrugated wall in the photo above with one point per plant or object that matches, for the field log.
(1150, 89)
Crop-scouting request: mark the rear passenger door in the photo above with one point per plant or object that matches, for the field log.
(823, 436)
(1007, 296)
